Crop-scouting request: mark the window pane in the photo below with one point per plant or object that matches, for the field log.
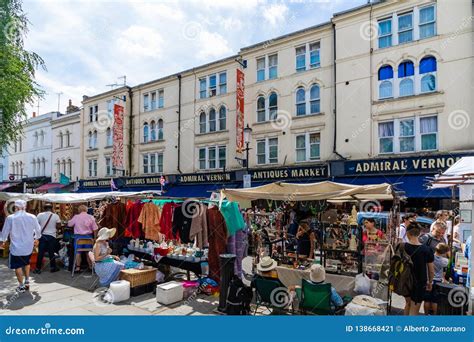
(153, 163)
(407, 128)
(301, 109)
(261, 147)
(202, 153)
(385, 42)
(272, 60)
(202, 123)
(315, 106)
(261, 75)
(222, 118)
(405, 22)
(386, 145)
(300, 95)
(429, 125)
(314, 151)
(273, 72)
(386, 129)
(405, 37)
(300, 62)
(428, 142)
(212, 158)
(273, 100)
(427, 15)
(212, 81)
(301, 155)
(428, 83)
(314, 92)
(261, 63)
(212, 120)
(385, 27)
(222, 157)
(406, 69)
(301, 50)
(385, 73)
(427, 30)
(300, 141)
(406, 87)
(428, 64)
(385, 89)
(407, 144)
(261, 116)
(314, 59)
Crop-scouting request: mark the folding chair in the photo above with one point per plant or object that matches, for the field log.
(82, 243)
(267, 291)
(315, 298)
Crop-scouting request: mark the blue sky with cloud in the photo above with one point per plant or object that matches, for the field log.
(89, 44)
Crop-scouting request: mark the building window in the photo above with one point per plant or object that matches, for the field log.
(109, 137)
(212, 85)
(161, 98)
(145, 132)
(202, 122)
(405, 28)
(261, 69)
(429, 133)
(60, 139)
(314, 56)
(386, 134)
(222, 118)
(93, 113)
(273, 66)
(41, 140)
(212, 120)
(145, 163)
(385, 33)
(35, 144)
(146, 102)
(267, 110)
(412, 134)
(58, 168)
(428, 69)
(91, 141)
(202, 88)
(153, 130)
(92, 167)
(108, 166)
(68, 139)
(314, 99)
(223, 83)
(160, 129)
(406, 72)
(212, 157)
(69, 168)
(385, 76)
(301, 58)
(300, 101)
(153, 101)
(272, 106)
(153, 163)
(110, 107)
(267, 151)
(427, 22)
(407, 135)
(308, 147)
(261, 109)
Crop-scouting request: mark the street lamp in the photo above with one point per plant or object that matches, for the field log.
(247, 133)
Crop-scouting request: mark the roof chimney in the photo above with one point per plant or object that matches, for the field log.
(34, 114)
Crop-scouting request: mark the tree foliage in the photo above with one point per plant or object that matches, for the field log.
(17, 71)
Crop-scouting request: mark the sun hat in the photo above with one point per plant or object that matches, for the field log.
(106, 233)
(317, 273)
(20, 204)
(266, 264)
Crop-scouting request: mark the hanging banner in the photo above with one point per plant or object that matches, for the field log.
(240, 111)
(117, 156)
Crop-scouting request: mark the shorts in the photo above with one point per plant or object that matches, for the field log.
(418, 293)
(18, 261)
(433, 295)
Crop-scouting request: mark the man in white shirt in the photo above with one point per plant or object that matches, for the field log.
(49, 223)
(402, 230)
(24, 232)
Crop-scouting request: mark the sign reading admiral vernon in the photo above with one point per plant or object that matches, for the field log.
(319, 171)
(421, 164)
(206, 177)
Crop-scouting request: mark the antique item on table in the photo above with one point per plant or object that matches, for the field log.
(353, 218)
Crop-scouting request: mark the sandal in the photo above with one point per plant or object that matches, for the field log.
(77, 269)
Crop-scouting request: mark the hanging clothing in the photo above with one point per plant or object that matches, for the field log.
(131, 221)
(166, 220)
(182, 224)
(233, 217)
(217, 235)
(113, 216)
(236, 244)
(150, 220)
(199, 226)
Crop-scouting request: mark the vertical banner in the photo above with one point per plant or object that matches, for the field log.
(240, 111)
(117, 156)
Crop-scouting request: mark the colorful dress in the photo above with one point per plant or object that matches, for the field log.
(107, 269)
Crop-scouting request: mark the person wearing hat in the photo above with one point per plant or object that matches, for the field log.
(24, 231)
(107, 266)
(266, 265)
(49, 223)
(317, 275)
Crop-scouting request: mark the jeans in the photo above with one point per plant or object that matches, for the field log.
(46, 243)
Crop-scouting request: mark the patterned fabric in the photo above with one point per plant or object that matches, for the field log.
(107, 270)
(236, 244)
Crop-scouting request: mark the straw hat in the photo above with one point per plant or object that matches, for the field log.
(266, 264)
(106, 233)
(317, 273)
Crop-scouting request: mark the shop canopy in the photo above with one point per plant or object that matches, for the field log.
(73, 197)
(461, 172)
(312, 191)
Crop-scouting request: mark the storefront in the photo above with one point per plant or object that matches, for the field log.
(410, 175)
(305, 174)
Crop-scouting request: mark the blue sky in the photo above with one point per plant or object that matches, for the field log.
(89, 44)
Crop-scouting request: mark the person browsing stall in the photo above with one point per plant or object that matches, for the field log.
(305, 241)
(24, 232)
(49, 223)
(440, 263)
(84, 224)
(371, 233)
(436, 236)
(402, 230)
(317, 276)
(423, 269)
(107, 266)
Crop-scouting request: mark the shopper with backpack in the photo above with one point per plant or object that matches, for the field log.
(422, 258)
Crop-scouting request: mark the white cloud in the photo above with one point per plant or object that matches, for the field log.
(275, 14)
(140, 41)
(212, 45)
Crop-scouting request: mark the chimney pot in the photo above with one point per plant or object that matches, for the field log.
(34, 114)
(70, 102)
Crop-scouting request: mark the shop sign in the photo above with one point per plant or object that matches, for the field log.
(142, 181)
(206, 177)
(319, 171)
(95, 183)
(240, 111)
(421, 164)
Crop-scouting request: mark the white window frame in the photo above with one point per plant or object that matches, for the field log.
(157, 165)
(146, 102)
(207, 160)
(221, 84)
(108, 166)
(109, 138)
(412, 28)
(318, 51)
(208, 89)
(207, 122)
(307, 55)
(264, 69)
(387, 34)
(266, 141)
(267, 107)
(427, 23)
(307, 147)
(92, 168)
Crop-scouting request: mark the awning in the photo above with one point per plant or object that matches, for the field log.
(461, 172)
(413, 186)
(197, 190)
(49, 187)
(4, 186)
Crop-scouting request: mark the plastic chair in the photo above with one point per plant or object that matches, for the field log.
(315, 298)
(82, 243)
(266, 291)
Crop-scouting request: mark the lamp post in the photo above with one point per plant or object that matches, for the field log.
(247, 132)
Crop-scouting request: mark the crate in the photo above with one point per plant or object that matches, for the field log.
(169, 293)
(139, 277)
(142, 289)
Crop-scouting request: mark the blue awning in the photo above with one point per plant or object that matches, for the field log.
(414, 186)
(197, 190)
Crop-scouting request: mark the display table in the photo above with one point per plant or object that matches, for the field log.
(189, 266)
(291, 276)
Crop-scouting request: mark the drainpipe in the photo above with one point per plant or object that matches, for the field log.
(179, 123)
(130, 132)
(335, 95)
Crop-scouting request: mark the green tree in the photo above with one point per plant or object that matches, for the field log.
(17, 71)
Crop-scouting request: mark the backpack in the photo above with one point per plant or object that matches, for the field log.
(239, 297)
(401, 277)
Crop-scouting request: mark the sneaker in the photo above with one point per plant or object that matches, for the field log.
(21, 289)
(54, 270)
(37, 271)
(27, 285)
